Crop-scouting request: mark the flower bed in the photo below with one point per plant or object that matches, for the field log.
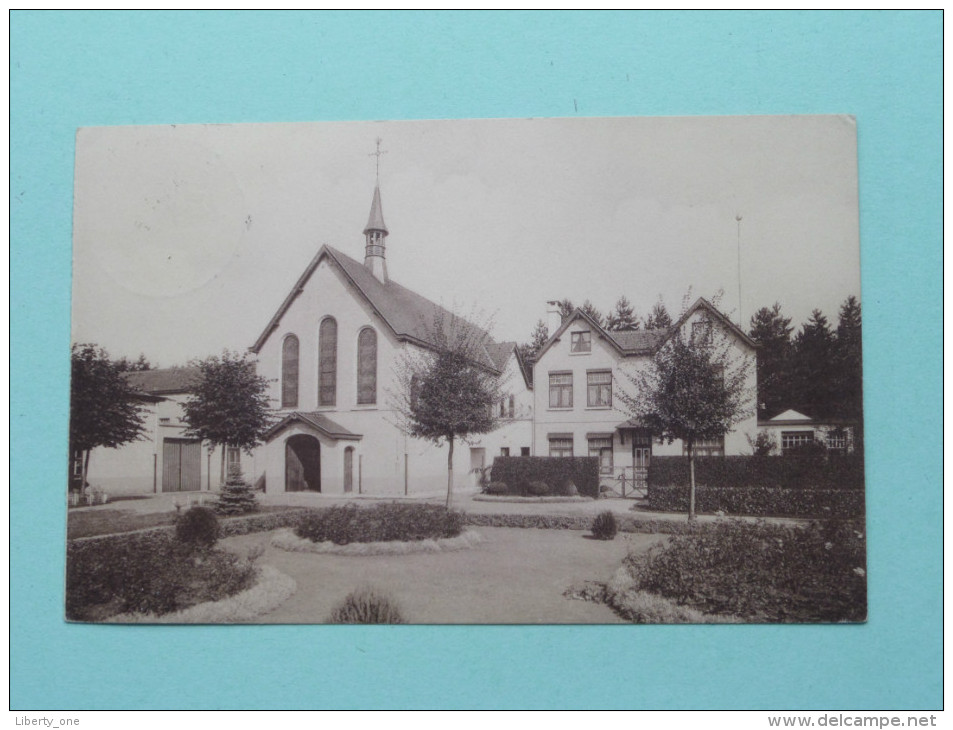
(287, 540)
(760, 572)
(148, 572)
(271, 590)
(388, 522)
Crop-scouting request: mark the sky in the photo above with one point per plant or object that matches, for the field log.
(186, 238)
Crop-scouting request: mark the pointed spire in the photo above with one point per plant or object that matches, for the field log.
(375, 234)
(375, 221)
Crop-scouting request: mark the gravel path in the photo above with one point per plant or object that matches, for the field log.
(513, 576)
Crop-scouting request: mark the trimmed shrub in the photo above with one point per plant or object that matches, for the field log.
(762, 572)
(198, 527)
(785, 472)
(379, 523)
(761, 501)
(147, 572)
(237, 496)
(262, 522)
(537, 489)
(366, 606)
(559, 472)
(604, 526)
(496, 488)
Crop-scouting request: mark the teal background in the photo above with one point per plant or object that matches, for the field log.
(72, 69)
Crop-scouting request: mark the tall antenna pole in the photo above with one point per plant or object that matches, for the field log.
(741, 322)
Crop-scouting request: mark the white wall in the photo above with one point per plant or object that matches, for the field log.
(136, 468)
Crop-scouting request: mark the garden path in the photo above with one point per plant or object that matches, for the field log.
(514, 576)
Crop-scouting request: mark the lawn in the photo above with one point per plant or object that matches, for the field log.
(513, 576)
(103, 521)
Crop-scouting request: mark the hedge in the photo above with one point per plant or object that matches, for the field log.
(579, 522)
(785, 472)
(517, 472)
(761, 501)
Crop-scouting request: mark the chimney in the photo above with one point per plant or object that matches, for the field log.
(554, 319)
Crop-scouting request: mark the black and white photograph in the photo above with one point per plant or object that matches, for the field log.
(501, 371)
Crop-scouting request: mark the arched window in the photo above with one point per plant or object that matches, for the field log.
(367, 367)
(289, 372)
(327, 362)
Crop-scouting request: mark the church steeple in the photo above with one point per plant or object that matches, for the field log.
(376, 231)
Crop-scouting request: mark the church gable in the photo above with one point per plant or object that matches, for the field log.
(327, 348)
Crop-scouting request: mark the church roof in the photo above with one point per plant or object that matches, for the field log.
(375, 221)
(500, 352)
(409, 315)
(161, 381)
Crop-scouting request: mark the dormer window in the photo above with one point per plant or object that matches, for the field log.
(581, 342)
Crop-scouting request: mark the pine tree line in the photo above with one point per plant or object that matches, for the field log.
(817, 371)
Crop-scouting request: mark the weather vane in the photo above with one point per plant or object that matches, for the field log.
(378, 154)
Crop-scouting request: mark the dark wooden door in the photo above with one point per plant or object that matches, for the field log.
(302, 464)
(181, 465)
(349, 469)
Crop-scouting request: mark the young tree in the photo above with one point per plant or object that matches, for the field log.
(590, 309)
(448, 393)
(658, 318)
(228, 404)
(692, 389)
(529, 350)
(104, 409)
(623, 317)
(772, 331)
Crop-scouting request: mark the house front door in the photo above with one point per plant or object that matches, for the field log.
(641, 458)
(477, 463)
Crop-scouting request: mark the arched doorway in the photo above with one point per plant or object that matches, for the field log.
(302, 464)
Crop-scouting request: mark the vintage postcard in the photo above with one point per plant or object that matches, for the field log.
(519, 371)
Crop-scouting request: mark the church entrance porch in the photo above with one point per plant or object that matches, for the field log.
(308, 452)
(302, 464)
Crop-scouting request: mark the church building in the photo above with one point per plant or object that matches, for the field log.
(331, 350)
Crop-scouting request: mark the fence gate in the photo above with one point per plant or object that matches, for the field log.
(635, 478)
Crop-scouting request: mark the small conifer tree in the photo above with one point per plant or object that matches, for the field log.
(237, 496)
